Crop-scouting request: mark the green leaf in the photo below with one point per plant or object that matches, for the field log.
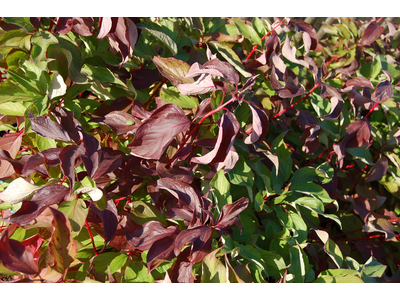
(40, 42)
(20, 21)
(314, 190)
(221, 189)
(27, 83)
(76, 211)
(231, 57)
(317, 206)
(15, 39)
(347, 278)
(373, 268)
(173, 69)
(137, 272)
(274, 262)
(14, 59)
(258, 26)
(334, 252)
(376, 67)
(164, 38)
(12, 109)
(172, 95)
(281, 175)
(298, 264)
(361, 153)
(248, 32)
(101, 74)
(143, 212)
(242, 175)
(112, 259)
(75, 90)
(45, 143)
(213, 269)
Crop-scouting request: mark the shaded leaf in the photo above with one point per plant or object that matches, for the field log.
(162, 37)
(230, 211)
(213, 269)
(260, 124)
(378, 170)
(199, 237)
(76, 211)
(383, 92)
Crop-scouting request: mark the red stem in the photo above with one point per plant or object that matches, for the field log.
(255, 46)
(91, 237)
(317, 85)
(371, 110)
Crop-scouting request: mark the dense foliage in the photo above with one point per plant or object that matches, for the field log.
(199, 150)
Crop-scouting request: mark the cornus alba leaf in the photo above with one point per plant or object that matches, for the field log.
(17, 191)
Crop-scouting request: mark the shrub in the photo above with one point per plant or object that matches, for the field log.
(199, 150)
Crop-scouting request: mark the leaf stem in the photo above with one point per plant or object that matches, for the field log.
(371, 110)
(91, 237)
(255, 46)
(317, 85)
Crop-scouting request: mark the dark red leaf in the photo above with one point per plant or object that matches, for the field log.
(91, 157)
(109, 160)
(383, 92)
(198, 236)
(68, 156)
(109, 217)
(260, 125)
(225, 68)
(179, 173)
(378, 170)
(35, 21)
(371, 33)
(203, 109)
(162, 249)
(181, 270)
(64, 25)
(360, 82)
(35, 164)
(120, 122)
(155, 134)
(47, 128)
(144, 237)
(52, 156)
(15, 257)
(230, 211)
(202, 85)
(144, 78)
(310, 37)
(186, 195)
(290, 53)
(105, 27)
(336, 109)
(68, 123)
(83, 26)
(228, 128)
(18, 164)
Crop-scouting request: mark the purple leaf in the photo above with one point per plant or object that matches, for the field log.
(336, 109)
(68, 123)
(162, 249)
(290, 53)
(310, 37)
(357, 134)
(383, 92)
(15, 257)
(203, 109)
(68, 156)
(47, 128)
(230, 211)
(371, 33)
(229, 162)
(109, 217)
(52, 156)
(91, 156)
(203, 85)
(105, 27)
(155, 134)
(144, 78)
(181, 270)
(120, 122)
(179, 173)
(35, 164)
(173, 69)
(144, 237)
(18, 164)
(228, 128)
(378, 170)
(225, 68)
(109, 160)
(360, 82)
(30, 210)
(260, 124)
(198, 236)
(186, 195)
